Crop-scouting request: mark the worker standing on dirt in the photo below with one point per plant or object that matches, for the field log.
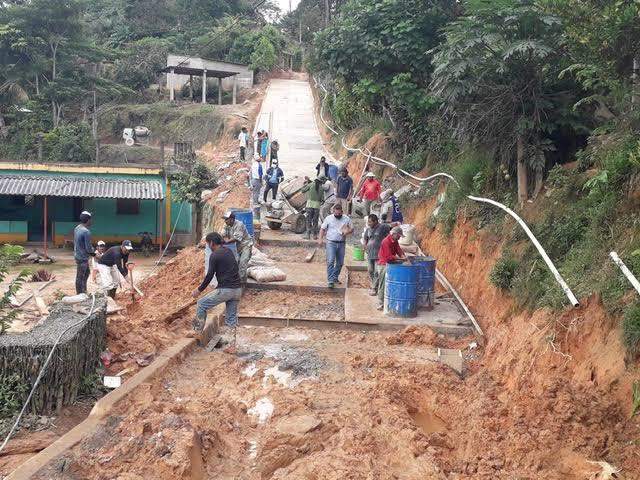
(101, 247)
(335, 227)
(390, 211)
(372, 238)
(114, 260)
(370, 191)
(275, 176)
(344, 189)
(235, 232)
(313, 191)
(258, 143)
(82, 250)
(223, 265)
(243, 140)
(256, 184)
(390, 252)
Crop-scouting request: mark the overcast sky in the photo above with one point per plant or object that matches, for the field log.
(284, 5)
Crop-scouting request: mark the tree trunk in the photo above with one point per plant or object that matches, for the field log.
(635, 82)
(54, 50)
(37, 85)
(522, 171)
(326, 13)
(197, 228)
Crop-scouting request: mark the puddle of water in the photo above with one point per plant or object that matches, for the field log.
(262, 410)
(428, 422)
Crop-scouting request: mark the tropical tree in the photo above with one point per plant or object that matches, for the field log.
(497, 75)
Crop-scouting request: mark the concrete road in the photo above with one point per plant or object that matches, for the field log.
(287, 114)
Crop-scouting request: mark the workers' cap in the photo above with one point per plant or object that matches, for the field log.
(101, 243)
(370, 175)
(228, 214)
(397, 231)
(84, 212)
(127, 245)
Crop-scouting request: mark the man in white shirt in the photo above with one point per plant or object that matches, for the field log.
(243, 138)
(255, 182)
(335, 227)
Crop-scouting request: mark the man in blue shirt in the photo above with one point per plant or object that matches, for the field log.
(344, 189)
(274, 176)
(82, 250)
(390, 210)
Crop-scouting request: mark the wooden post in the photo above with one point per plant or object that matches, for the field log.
(161, 235)
(170, 83)
(45, 227)
(219, 91)
(235, 88)
(191, 87)
(204, 86)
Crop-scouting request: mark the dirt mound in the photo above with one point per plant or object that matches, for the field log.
(414, 335)
(164, 313)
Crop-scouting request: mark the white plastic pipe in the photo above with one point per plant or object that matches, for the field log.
(565, 288)
(625, 271)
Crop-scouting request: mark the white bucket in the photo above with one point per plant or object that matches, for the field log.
(408, 230)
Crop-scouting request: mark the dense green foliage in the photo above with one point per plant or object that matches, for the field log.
(9, 255)
(12, 393)
(64, 60)
(503, 272)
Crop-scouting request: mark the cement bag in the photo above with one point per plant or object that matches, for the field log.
(408, 231)
(266, 274)
(259, 259)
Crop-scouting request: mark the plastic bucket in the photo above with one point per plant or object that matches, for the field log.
(401, 290)
(426, 280)
(246, 217)
(358, 253)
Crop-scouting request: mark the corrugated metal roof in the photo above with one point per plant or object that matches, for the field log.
(88, 187)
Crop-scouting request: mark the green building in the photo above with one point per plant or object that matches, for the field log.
(42, 202)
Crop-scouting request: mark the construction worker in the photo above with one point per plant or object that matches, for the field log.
(372, 237)
(344, 189)
(256, 184)
(390, 252)
(235, 232)
(114, 260)
(101, 247)
(274, 178)
(314, 192)
(370, 191)
(335, 227)
(223, 265)
(322, 168)
(243, 140)
(82, 251)
(390, 211)
(328, 199)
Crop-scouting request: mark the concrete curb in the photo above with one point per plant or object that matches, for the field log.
(103, 407)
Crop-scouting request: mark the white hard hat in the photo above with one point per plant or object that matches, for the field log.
(370, 175)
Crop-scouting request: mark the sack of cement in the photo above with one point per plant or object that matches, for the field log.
(259, 259)
(74, 298)
(266, 274)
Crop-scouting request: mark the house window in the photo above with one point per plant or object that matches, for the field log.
(17, 200)
(127, 206)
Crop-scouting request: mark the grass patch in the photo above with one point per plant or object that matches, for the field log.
(631, 329)
(503, 271)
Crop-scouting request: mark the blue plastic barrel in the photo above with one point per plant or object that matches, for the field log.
(246, 217)
(401, 290)
(426, 280)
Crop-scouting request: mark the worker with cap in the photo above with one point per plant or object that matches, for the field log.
(390, 252)
(223, 265)
(314, 193)
(370, 191)
(344, 189)
(390, 211)
(372, 237)
(114, 260)
(236, 233)
(82, 251)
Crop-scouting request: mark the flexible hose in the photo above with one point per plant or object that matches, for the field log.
(42, 370)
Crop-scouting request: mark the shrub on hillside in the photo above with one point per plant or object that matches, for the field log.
(631, 329)
(12, 392)
(70, 143)
(503, 272)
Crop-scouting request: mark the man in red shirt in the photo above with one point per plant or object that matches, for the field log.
(370, 191)
(390, 252)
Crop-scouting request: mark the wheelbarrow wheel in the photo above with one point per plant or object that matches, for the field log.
(300, 225)
(274, 225)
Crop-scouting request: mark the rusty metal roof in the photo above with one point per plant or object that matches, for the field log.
(78, 186)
